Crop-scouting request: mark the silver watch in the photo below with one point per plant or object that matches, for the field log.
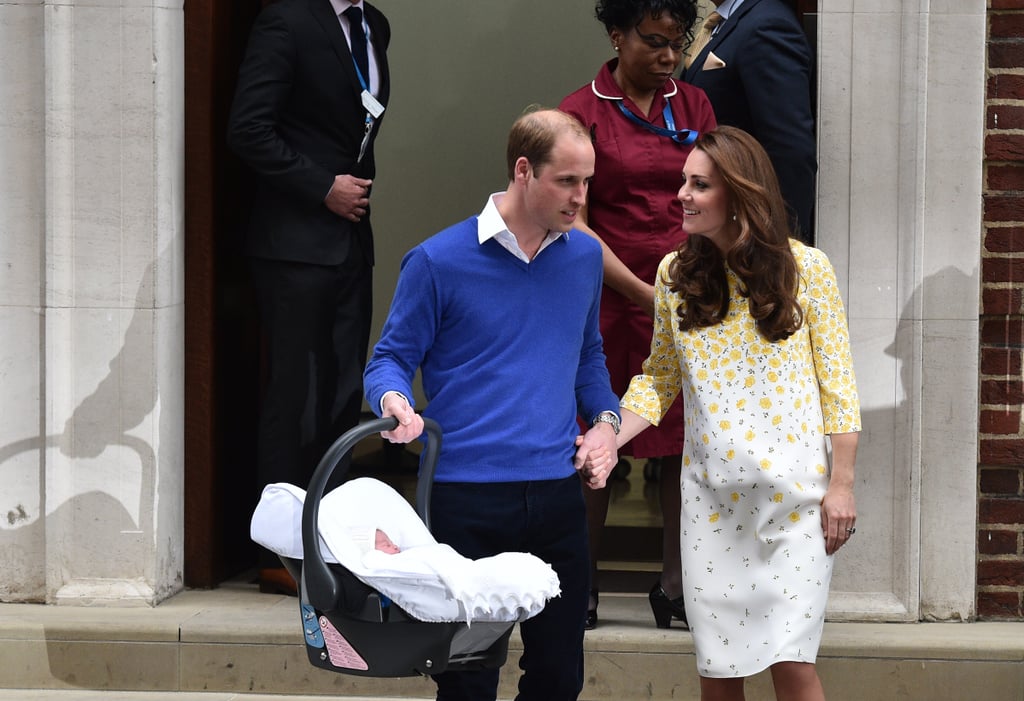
(608, 417)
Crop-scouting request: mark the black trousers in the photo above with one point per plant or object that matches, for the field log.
(546, 518)
(316, 327)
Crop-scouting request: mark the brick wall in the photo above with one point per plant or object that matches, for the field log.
(1001, 436)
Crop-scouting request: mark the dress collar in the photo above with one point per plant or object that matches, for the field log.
(605, 87)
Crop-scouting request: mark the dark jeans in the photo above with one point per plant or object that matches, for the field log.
(548, 519)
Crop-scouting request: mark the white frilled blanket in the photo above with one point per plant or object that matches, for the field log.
(429, 580)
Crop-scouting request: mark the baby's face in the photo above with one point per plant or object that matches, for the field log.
(383, 543)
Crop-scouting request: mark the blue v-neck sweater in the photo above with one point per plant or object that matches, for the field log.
(509, 352)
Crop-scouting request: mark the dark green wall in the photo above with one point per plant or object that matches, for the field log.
(462, 71)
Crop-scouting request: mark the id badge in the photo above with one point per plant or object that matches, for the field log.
(372, 104)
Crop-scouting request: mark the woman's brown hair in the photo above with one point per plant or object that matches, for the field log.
(760, 257)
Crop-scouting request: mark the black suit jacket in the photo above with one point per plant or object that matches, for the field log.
(765, 89)
(297, 121)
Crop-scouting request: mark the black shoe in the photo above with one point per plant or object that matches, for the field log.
(665, 609)
(591, 620)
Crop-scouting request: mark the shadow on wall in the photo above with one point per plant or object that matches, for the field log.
(888, 355)
(96, 523)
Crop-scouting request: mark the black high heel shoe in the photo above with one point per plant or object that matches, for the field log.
(591, 620)
(665, 609)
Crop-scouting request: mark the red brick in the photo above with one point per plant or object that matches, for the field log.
(1006, 53)
(1001, 300)
(1008, 511)
(1004, 239)
(1005, 86)
(1000, 422)
(1004, 208)
(1006, 332)
(1001, 573)
(1001, 452)
(999, 604)
(1000, 361)
(1009, 25)
(1006, 177)
(1004, 269)
(1002, 392)
(1005, 147)
(1004, 117)
(997, 542)
(1002, 481)
(1006, 4)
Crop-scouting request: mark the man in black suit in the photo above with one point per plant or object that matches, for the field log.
(756, 71)
(308, 105)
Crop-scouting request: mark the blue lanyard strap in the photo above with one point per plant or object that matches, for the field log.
(684, 136)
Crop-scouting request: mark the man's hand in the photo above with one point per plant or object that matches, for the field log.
(349, 197)
(410, 424)
(596, 455)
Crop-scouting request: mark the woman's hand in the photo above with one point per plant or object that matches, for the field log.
(838, 508)
(838, 517)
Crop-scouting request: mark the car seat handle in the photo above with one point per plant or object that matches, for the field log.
(319, 584)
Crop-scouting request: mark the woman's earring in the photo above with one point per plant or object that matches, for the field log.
(734, 217)
(616, 47)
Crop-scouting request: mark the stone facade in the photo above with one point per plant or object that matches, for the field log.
(91, 352)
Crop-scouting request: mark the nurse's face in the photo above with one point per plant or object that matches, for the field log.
(649, 53)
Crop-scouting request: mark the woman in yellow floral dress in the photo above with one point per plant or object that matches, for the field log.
(750, 328)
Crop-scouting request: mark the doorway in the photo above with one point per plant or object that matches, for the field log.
(221, 333)
(222, 339)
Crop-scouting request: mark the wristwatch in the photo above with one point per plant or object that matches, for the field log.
(608, 417)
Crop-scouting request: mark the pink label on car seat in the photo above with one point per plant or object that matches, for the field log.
(340, 651)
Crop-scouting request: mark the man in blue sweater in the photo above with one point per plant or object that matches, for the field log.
(500, 313)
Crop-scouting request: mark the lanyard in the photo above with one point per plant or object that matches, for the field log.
(373, 108)
(684, 136)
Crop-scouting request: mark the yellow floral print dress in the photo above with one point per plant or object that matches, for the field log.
(755, 572)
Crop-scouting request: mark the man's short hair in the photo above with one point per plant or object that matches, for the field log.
(534, 133)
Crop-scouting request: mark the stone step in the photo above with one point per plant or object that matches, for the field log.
(82, 695)
(234, 643)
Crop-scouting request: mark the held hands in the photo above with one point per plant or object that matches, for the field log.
(838, 516)
(349, 197)
(410, 424)
(596, 455)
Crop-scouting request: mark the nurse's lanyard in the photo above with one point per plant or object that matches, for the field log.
(684, 137)
(372, 106)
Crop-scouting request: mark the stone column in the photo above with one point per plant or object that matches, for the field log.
(899, 211)
(96, 452)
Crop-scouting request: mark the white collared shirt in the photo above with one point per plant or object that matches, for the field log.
(491, 225)
(726, 9)
(339, 7)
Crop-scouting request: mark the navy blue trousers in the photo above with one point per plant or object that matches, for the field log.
(546, 518)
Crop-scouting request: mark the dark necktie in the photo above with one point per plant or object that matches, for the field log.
(358, 40)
